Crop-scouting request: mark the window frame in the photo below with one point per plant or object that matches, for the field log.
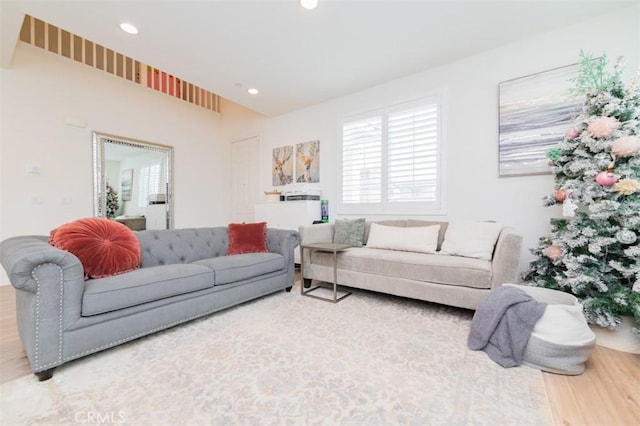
(398, 208)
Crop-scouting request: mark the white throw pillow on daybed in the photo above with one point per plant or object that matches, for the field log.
(471, 239)
(421, 239)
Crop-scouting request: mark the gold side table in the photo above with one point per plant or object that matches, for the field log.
(326, 247)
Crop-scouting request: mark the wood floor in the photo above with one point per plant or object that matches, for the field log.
(607, 393)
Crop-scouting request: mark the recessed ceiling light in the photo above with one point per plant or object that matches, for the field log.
(253, 91)
(309, 4)
(128, 28)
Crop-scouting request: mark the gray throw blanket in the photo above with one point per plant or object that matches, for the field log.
(503, 323)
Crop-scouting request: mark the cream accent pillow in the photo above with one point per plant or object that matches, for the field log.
(421, 239)
(471, 239)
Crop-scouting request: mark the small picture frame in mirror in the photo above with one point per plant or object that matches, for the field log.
(125, 184)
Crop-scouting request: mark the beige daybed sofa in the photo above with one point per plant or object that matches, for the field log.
(448, 279)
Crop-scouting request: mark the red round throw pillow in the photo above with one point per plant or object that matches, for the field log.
(105, 247)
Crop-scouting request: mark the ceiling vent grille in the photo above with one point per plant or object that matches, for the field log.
(56, 40)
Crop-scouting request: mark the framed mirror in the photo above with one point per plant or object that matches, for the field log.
(133, 181)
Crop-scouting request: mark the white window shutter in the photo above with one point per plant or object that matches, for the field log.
(362, 161)
(149, 183)
(412, 154)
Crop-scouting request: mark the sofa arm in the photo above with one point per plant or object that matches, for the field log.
(320, 233)
(50, 284)
(23, 256)
(506, 257)
(284, 242)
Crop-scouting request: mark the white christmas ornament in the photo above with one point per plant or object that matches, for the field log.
(569, 208)
(626, 236)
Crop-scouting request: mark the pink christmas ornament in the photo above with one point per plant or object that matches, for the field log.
(603, 127)
(606, 178)
(560, 195)
(626, 146)
(571, 133)
(553, 252)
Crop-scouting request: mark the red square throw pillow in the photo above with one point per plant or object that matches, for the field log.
(105, 247)
(247, 238)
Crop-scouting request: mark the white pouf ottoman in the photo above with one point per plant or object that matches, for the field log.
(561, 340)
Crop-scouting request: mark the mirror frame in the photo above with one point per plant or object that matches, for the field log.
(99, 179)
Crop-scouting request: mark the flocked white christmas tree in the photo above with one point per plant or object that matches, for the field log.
(593, 251)
(112, 203)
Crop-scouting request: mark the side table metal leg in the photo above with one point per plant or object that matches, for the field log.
(302, 269)
(335, 276)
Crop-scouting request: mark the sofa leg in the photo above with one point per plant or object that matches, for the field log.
(45, 375)
(288, 289)
(307, 282)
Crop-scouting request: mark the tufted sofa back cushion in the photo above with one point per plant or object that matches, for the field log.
(166, 247)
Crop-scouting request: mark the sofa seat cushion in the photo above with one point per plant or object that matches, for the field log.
(238, 267)
(142, 286)
(435, 268)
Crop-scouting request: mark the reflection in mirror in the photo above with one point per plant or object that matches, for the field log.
(133, 182)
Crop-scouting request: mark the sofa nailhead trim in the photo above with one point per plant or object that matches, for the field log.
(37, 324)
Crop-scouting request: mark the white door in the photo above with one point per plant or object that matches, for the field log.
(245, 191)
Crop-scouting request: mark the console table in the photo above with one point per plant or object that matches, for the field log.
(326, 247)
(138, 223)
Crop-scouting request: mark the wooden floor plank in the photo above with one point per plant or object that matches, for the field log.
(607, 393)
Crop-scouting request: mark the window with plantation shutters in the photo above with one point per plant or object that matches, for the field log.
(390, 160)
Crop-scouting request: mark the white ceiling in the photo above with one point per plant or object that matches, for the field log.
(297, 57)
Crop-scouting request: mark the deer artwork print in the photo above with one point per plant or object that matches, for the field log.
(307, 162)
(282, 165)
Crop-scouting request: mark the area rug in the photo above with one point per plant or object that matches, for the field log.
(370, 359)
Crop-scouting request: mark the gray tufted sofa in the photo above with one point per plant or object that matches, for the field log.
(184, 275)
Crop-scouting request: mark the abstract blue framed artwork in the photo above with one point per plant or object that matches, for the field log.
(534, 112)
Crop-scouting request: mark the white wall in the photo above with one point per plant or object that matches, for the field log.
(473, 188)
(41, 90)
